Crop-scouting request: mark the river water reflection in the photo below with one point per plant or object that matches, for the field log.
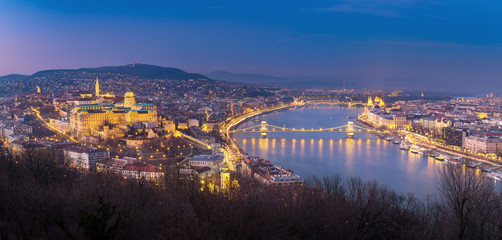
(323, 154)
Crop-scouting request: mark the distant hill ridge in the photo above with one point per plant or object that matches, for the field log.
(13, 76)
(282, 82)
(148, 71)
(248, 78)
(141, 70)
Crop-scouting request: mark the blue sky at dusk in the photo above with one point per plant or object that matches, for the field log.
(384, 41)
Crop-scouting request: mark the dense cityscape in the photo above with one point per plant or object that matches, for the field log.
(250, 119)
(187, 129)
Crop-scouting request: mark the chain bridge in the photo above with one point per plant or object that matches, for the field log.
(350, 128)
(332, 102)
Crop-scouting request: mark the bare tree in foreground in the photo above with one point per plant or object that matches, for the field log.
(469, 203)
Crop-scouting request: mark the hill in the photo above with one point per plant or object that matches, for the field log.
(141, 70)
(12, 77)
(245, 78)
(283, 82)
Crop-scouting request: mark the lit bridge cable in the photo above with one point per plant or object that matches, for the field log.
(350, 128)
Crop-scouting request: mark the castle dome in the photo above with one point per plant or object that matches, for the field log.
(129, 100)
(129, 94)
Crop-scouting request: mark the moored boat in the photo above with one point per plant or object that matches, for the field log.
(414, 150)
(471, 165)
(494, 175)
(404, 146)
(454, 160)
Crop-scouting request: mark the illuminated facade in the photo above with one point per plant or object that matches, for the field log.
(93, 116)
(483, 144)
(453, 136)
(377, 102)
(85, 157)
(98, 92)
(400, 121)
(225, 178)
(97, 87)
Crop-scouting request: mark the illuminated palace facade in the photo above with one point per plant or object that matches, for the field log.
(91, 117)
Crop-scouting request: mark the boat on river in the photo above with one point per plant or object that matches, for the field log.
(404, 146)
(472, 164)
(414, 149)
(397, 141)
(418, 150)
(494, 175)
(433, 154)
(424, 151)
(454, 159)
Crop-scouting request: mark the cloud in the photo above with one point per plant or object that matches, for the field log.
(497, 45)
(370, 9)
(303, 36)
(422, 43)
(386, 8)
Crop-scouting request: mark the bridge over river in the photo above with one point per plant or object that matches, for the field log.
(350, 128)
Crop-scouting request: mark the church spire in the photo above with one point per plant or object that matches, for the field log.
(370, 102)
(97, 87)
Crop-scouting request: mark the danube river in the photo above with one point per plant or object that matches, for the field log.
(322, 154)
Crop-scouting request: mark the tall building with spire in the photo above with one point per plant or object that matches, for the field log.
(225, 178)
(232, 107)
(370, 102)
(99, 93)
(97, 87)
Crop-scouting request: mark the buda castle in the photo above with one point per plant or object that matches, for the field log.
(92, 117)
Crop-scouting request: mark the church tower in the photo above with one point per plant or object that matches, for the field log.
(225, 178)
(382, 104)
(232, 107)
(370, 102)
(97, 87)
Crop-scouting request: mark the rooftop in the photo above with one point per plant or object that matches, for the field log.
(85, 149)
(210, 158)
(140, 167)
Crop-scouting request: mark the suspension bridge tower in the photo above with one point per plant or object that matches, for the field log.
(350, 129)
(263, 129)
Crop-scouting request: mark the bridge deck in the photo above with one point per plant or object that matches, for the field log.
(306, 130)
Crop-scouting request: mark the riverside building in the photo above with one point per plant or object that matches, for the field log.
(273, 175)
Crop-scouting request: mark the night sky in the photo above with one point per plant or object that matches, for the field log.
(452, 44)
